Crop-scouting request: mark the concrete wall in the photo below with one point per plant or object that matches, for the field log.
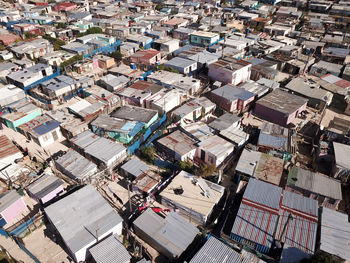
(52, 195)
(23, 120)
(13, 210)
(47, 139)
(82, 253)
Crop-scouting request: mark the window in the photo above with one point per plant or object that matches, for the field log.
(211, 159)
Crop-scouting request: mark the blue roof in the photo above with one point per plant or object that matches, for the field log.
(273, 141)
(133, 127)
(46, 127)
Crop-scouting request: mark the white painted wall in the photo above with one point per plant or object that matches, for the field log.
(81, 254)
(47, 139)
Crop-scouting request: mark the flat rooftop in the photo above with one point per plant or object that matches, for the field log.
(192, 196)
(282, 101)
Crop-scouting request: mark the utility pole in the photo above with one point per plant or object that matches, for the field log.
(278, 241)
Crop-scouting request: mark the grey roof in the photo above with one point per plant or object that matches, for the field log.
(82, 215)
(315, 183)
(178, 142)
(135, 167)
(84, 139)
(215, 251)
(133, 113)
(263, 193)
(274, 136)
(255, 224)
(335, 234)
(104, 149)
(300, 203)
(301, 232)
(44, 185)
(110, 250)
(248, 162)
(342, 154)
(173, 233)
(232, 93)
(224, 121)
(282, 101)
(7, 199)
(301, 87)
(75, 165)
(179, 62)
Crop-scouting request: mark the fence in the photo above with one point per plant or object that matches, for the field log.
(36, 83)
(21, 245)
(105, 50)
(145, 138)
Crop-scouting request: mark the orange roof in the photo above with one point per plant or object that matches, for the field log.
(175, 21)
(8, 38)
(7, 148)
(146, 54)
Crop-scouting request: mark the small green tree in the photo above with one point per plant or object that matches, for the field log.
(29, 35)
(117, 55)
(207, 170)
(92, 30)
(186, 166)
(43, 12)
(321, 257)
(60, 25)
(158, 7)
(70, 61)
(148, 154)
(56, 42)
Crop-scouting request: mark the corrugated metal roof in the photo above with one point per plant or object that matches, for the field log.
(335, 234)
(300, 231)
(342, 154)
(300, 203)
(135, 167)
(110, 250)
(224, 122)
(7, 199)
(263, 193)
(84, 139)
(215, 251)
(232, 93)
(104, 149)
(173, 233)
(44, 185)
(82, 215)
(256, 225)
(46, 127)
(75, 165)
(315, 183)
(7, 148)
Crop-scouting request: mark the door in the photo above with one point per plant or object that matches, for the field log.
(55, 136)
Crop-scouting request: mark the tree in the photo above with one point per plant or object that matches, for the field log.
(117, 55)
(29, 35)
(56, 42)
(148, 154)
(207, 170)
(91, 30)
(321, 257)
(70, 61)
(186, 166)
(158, 7)
(43, 12)
(60, 25)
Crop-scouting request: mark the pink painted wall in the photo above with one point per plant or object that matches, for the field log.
(13, 210)
(51, 195)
